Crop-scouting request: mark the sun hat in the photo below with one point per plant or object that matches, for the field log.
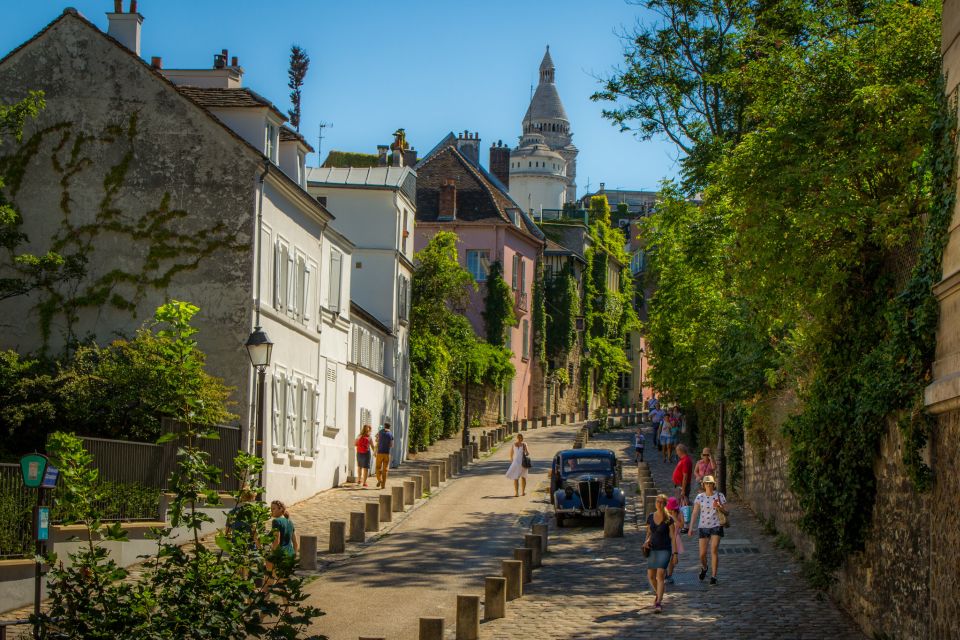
(708, 480)
(672, 504)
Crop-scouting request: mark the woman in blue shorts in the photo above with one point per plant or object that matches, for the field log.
(708, 506)
(660, 532)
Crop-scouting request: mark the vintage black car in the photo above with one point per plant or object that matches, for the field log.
(584, 482)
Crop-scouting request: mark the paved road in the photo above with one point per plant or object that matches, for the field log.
(443, 548)
(591, 587)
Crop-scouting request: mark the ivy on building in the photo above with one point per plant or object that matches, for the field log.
(498, 313)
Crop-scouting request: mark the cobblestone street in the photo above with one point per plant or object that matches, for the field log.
(591, 587)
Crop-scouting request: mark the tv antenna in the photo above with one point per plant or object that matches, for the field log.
(321, 127)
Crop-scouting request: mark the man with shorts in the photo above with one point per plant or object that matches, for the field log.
(384, 445)
(638, 441)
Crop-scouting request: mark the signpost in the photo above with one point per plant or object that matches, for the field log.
(39, 474)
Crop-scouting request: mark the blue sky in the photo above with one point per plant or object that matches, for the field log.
(376, 65)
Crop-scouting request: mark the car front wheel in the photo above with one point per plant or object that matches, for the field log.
(559, 521)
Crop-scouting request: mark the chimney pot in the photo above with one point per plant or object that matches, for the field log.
(156, 62)
(118, 6)
(133, 6)
(234, 62)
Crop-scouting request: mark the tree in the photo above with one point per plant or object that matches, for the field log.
(21, 273)
(299, 64)
(498, 314)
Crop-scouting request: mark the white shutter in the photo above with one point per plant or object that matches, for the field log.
(278, 404)
(284, 277)
(307, 298)
(306, 421)
(291, 283)
(315, 421)
(277, 275)
(355, 351)
(365, 349)
(291, 415)
(333, 296)
(330, 406)
(299, 290)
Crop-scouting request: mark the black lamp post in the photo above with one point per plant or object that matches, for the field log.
(642, 401)
(259, 348)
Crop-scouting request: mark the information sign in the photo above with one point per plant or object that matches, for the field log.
(32, 468)
(43, 523)
(50, 477)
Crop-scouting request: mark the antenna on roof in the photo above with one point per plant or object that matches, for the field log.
(320, 128)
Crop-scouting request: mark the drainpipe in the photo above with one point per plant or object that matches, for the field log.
(266, 170)
(257, 437)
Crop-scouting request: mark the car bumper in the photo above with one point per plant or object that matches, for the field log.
(586, 513)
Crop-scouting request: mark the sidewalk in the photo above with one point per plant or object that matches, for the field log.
(591, 587)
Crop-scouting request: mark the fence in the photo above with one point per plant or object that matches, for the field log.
(133, 475)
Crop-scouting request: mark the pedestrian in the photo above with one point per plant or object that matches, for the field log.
(656, 418)
(708, 506)
(653, 403)
(638, 443)
(363, 445)
(665, 436)
(285, 545)
(705, 466)
(673, 508)
(659, 549)
(683, 474)
(384, 446)
(519, 465)
(675, 421)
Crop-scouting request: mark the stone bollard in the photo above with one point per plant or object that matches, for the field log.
(526, 557)
(357, 524)
(553, 420)
(475, 450)
(563, 418)
(417, 487)
(386, 508)
(541, 530)
(610, 422)
(523, 425)
(535, 544)
(426, 477)
(447, 467)
(455, 464)
(442, 471)
(468, 617)
(308, 553)
(434, 475)
(431, 629)
(494, 598)
(613, 522)
(338, 531)
(371, 517)
(483, 443)
(396, 499)
(543, 422)
(409, 487)
(649, 503)
(513, 574)
(466, 456)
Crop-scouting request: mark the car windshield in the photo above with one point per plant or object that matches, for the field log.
(595, 463)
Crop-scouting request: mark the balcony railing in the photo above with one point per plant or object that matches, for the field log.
(522, 302)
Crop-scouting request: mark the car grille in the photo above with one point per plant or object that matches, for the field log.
(589, 493)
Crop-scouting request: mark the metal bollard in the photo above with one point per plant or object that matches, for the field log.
(468, 617)
(513, 573)
(431, 629)
(357, 533)
(494, 598)
(308, 553)
(338, 531)
(526, 557)
(535, 544)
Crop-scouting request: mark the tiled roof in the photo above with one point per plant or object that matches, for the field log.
(289, 135)
(546, 104)
(219, 98)
(359, 176)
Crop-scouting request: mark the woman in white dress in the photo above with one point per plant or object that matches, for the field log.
(517, 472)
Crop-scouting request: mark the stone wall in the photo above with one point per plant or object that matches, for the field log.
(909, 559)
(944, 532)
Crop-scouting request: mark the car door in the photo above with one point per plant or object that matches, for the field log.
(554, 477)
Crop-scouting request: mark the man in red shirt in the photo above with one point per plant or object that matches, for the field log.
(683, 473)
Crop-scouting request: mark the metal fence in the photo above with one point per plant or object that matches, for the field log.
(16, 514)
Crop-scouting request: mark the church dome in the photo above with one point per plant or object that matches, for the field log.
(546, 104)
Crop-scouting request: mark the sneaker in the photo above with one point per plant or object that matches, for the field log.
(657, 607)
(703, 573)
(713, 580)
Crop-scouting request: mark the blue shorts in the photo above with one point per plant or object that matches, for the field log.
(659, 558)
(712, 531)
(363, 460)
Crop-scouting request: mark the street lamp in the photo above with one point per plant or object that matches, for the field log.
(642, 401)
(259, 348)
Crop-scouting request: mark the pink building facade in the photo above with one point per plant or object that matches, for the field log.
(455, 194)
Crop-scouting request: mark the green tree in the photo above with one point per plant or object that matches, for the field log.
(299, 64)
(498, 313)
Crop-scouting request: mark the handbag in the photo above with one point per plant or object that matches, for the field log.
(723, 518)
(645, 549)
(525, 463)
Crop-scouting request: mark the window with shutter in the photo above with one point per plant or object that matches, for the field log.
(276, 432)
(306, 420)
(355, 350)
(308, 291)
(333, 296)
(291, 416)
(525, 348)
(330, 404)
(278, 262)
(516, 270)
(365, 417)
(291, 280)
(300, 286)
(315, 421)
(523, 275)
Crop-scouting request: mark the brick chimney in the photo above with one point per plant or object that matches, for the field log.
(125, 27)
(468, 144)
(500, 162)
(409, 157)
(448, 200)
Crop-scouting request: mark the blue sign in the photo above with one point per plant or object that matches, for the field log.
(50, 477)
(43, 523)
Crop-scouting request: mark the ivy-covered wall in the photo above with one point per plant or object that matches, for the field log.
(122, 173)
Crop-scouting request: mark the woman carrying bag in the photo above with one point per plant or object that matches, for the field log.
(658, 547)
(519, 465)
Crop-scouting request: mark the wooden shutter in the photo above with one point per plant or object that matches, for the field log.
(330, 404)
(307, 298)
(291, 415)
(516, 270)
(291, 282)
(276, 431)
(315, 419)
(333, 297)
(355, 347)
(306, 420)
(277, 276)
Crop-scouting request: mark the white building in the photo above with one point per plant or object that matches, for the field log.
(374, 208)
(543, 167)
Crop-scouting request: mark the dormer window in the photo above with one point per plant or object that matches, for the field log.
(302, 169)
(273, 142)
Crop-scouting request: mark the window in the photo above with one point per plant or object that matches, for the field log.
(367, 349)
(330, 401)
(526, 339)
(333, 295)
(403, 298)
(404, 233)
(478, 264)
(302, 169)
(523, 276)
(270, 149)
(281, 275)
(279, 402)
(516, 270)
